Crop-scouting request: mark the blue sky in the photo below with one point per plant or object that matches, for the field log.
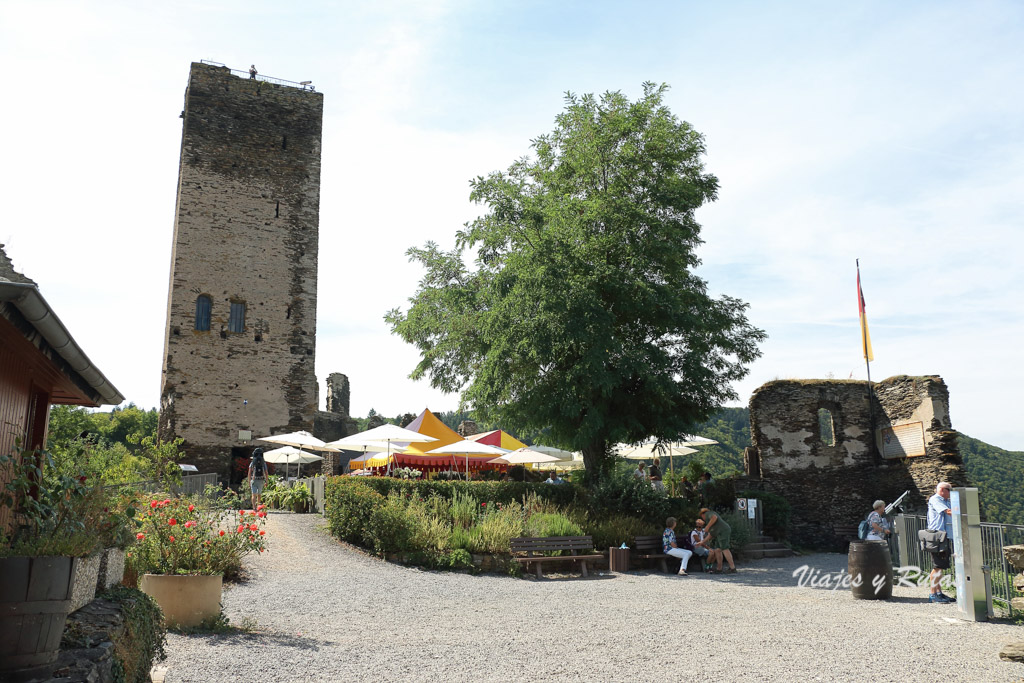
(881, 131)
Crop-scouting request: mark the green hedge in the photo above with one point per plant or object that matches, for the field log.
(492, 491)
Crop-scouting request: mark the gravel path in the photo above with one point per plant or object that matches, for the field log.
(325, 612)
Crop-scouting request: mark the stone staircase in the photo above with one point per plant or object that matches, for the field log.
(761, 547)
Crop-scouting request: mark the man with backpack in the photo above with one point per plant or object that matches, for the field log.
(257, 477)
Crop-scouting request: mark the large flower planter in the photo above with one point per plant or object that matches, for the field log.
(35, 600)
(84, 589)
(185, 600)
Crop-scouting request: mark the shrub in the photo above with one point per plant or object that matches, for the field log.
(620, 493)
(349, 505)
(460, 559)
(177, 536)
(615, 531)
(390, 528)
(740, 529)
(551, 524)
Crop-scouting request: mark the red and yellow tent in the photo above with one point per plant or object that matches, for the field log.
(418, 456)
(498, 438)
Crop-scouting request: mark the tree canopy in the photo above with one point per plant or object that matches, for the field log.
(583, 316)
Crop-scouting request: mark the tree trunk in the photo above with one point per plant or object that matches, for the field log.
(595, 459)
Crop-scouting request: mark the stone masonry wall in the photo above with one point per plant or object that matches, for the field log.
(833, 485)
(246, 230)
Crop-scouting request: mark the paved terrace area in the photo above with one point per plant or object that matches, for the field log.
(326, 612)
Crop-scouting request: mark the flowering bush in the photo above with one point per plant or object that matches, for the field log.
(49, 511)
(177, 537)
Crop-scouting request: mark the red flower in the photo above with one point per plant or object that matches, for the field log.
(167, 501)
(82, 478)
(483, 505)
(262, 514)
(241, 528)
(263, 533)
(190, 523)
(172, 521)
(191, 508)
(221, 532)
(172, 539)
(261, 507)
(140, 535)
(253, 527)
(241, 512)
(153, 504)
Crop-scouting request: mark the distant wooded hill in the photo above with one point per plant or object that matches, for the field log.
(998, 473)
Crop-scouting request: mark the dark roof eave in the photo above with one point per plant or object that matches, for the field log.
(31, 304)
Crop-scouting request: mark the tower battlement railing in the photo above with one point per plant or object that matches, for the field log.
(302, 85)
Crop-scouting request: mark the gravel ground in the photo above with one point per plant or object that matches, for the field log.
(325, 612)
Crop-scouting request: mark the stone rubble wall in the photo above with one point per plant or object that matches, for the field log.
(832, 486)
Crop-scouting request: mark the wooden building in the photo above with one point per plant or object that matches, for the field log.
(40, 365)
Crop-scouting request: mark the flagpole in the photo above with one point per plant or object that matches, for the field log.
(864, 346)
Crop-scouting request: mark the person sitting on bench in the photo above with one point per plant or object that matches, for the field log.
(700, 541)
(670, 547)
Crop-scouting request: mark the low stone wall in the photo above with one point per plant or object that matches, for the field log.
(1014, 652)
(116, 637)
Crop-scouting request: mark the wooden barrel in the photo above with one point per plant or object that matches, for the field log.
(35, 599)
(870, 569)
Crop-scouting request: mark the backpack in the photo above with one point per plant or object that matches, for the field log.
(257, 468)
(863, 529)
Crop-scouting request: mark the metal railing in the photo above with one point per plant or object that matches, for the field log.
(191, 485)
(303, 85)
(999, 573)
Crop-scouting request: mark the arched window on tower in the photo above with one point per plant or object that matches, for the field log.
(202, 313)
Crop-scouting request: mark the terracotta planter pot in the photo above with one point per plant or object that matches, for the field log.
(35, 600)
(185, 600)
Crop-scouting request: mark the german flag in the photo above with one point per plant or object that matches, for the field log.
(865, 336)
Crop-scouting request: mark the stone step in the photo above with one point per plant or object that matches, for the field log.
(769, 545)
(771, 552)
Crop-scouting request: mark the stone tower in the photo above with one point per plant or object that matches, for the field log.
(240, 341)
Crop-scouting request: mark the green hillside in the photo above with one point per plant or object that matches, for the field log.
(999, 476)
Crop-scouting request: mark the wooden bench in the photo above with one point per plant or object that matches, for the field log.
(649, 548)
(535, 547)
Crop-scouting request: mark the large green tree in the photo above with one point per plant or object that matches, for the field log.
(583, 316)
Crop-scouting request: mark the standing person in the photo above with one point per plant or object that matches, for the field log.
(670, 547)
(655, 475)
(721, 534)
(257, 477)
(699, 539)
(704, 488)
(639, 472)
(940, 518)
(877, 522)
(252, 72)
